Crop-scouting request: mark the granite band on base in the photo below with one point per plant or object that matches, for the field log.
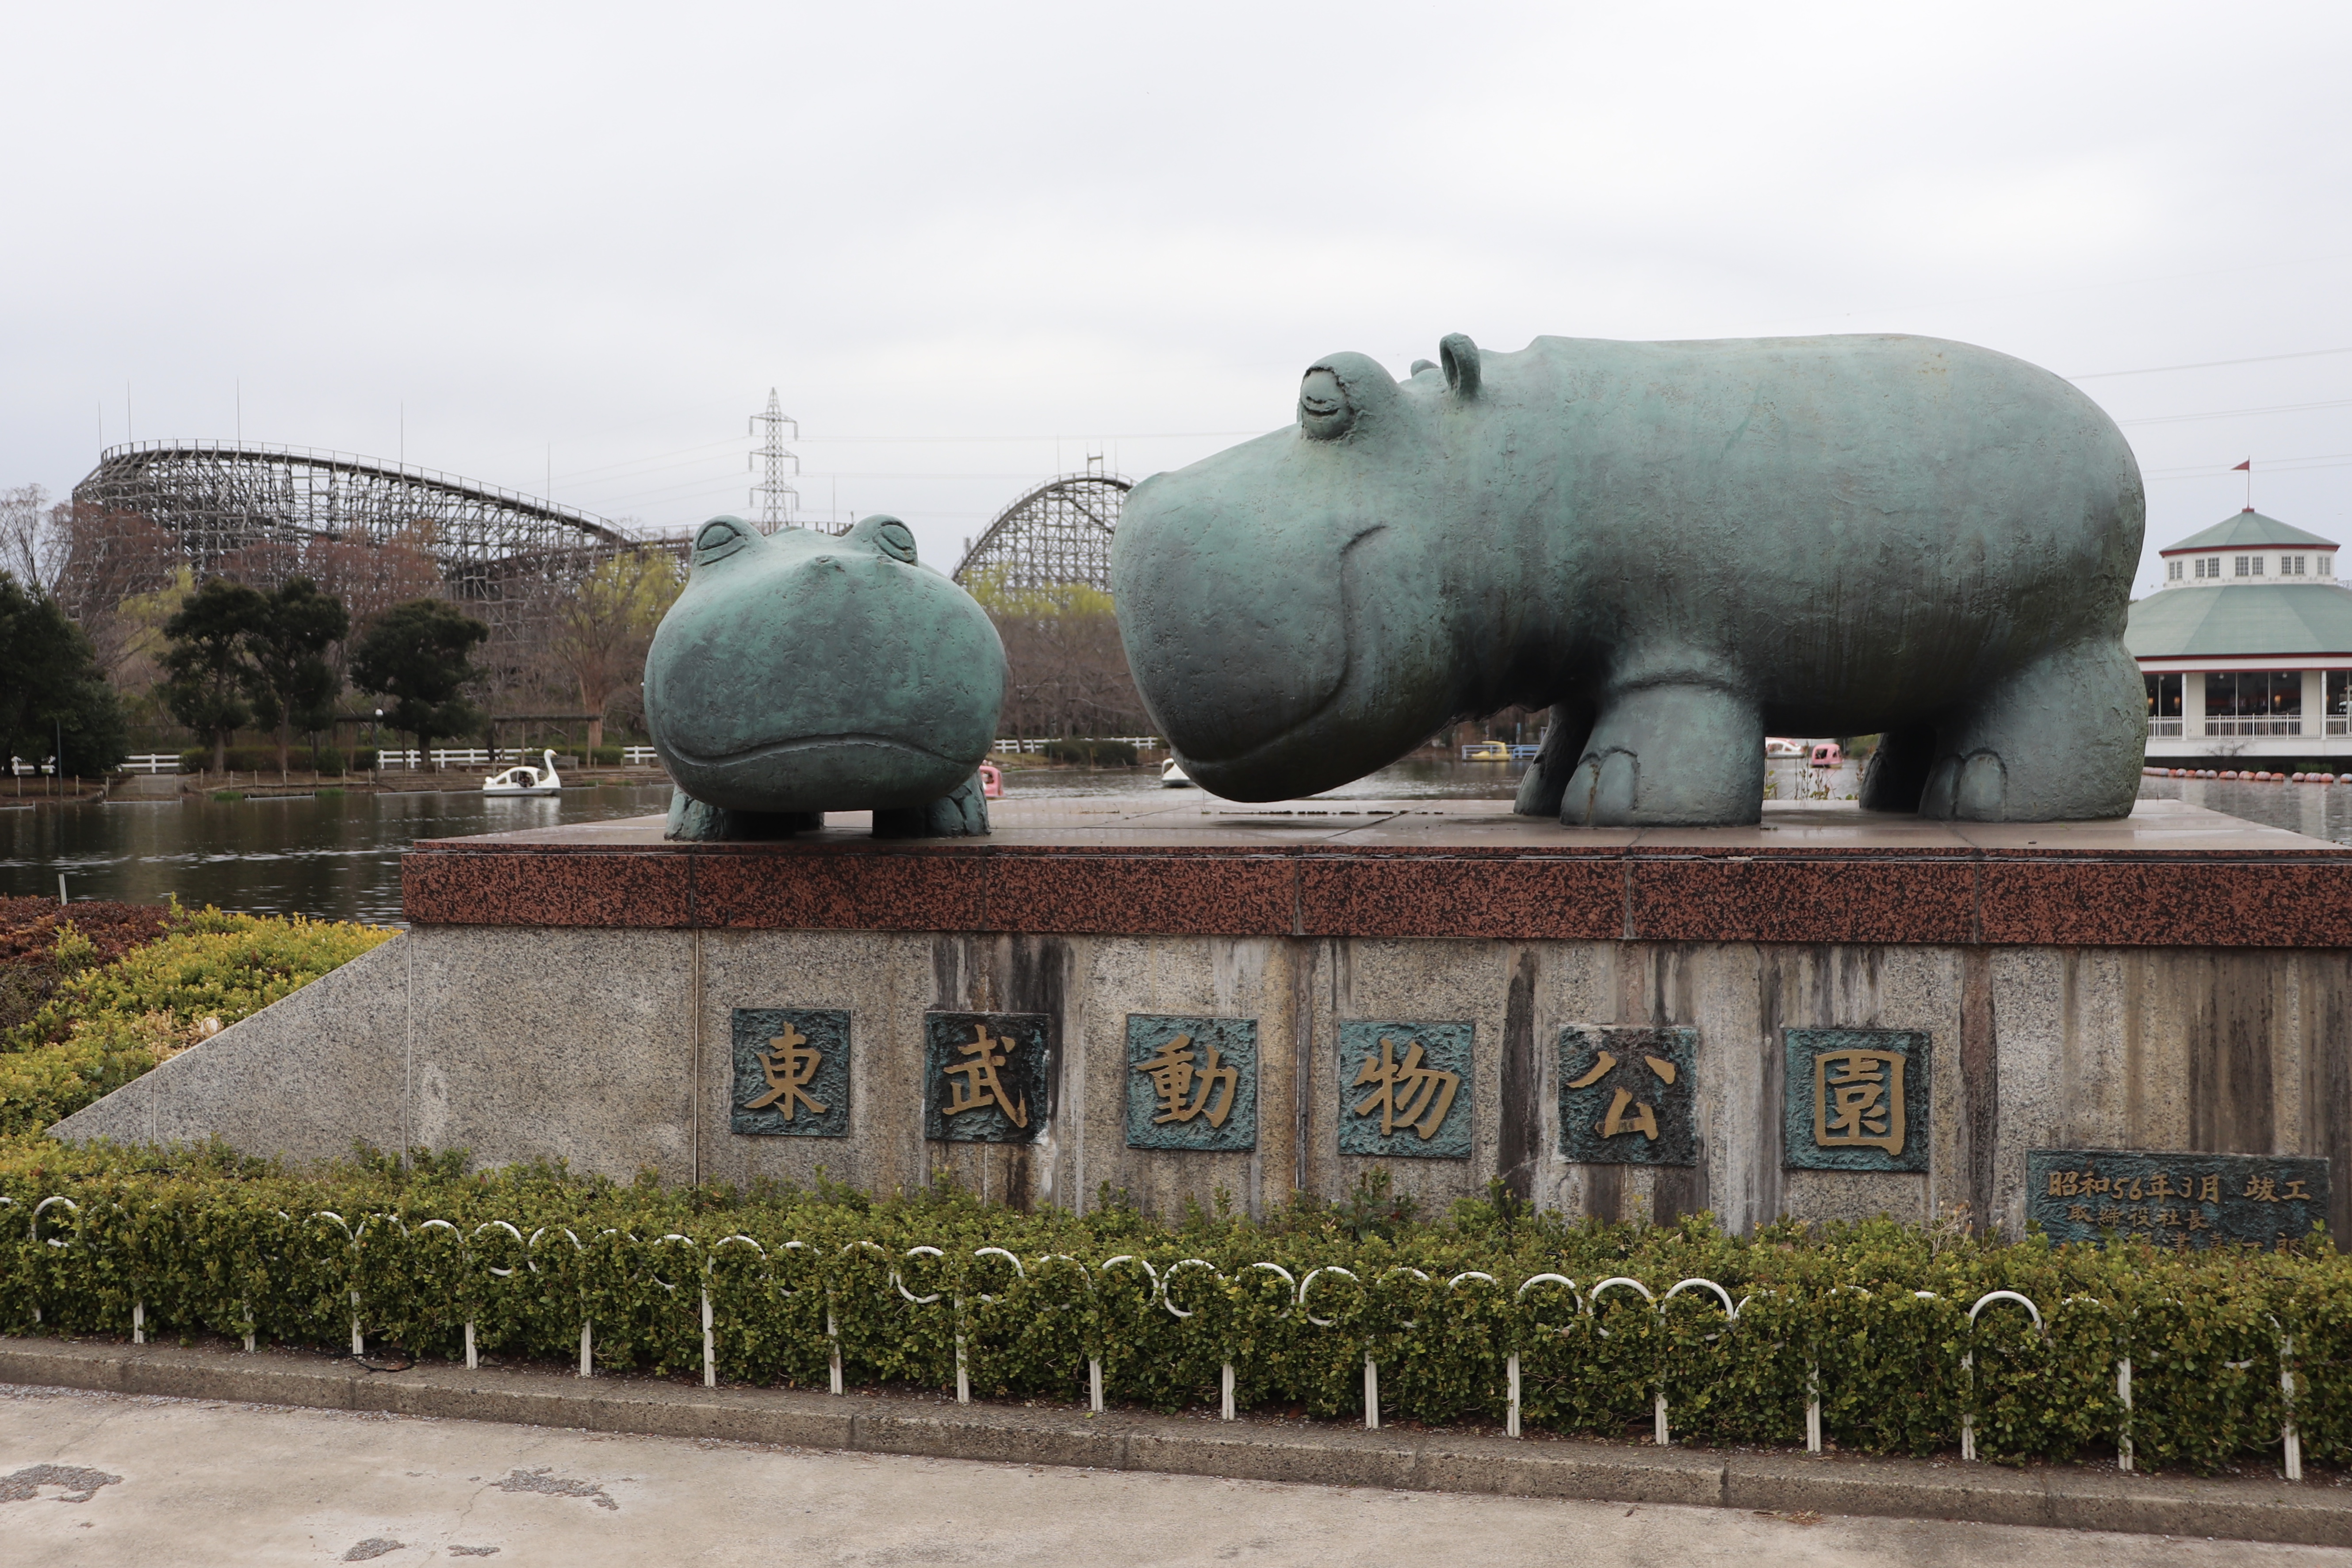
(2169, 875)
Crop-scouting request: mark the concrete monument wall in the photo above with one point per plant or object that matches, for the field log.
(617, 1049)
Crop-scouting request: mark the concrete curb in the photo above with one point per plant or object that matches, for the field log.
(2313, 1514)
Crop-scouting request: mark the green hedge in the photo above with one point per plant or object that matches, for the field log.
(1876, 1316)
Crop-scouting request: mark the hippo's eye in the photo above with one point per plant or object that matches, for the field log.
(1324, 413)
(719, 538)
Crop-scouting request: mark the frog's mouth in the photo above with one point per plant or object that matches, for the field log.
(803, 745)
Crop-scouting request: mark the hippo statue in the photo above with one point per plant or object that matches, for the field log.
(1678, 547)
(799, 673)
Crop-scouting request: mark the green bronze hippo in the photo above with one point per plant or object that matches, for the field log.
(1678, 547)
(799, 673)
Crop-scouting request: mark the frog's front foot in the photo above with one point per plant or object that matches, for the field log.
(693, 821)
(961, 815)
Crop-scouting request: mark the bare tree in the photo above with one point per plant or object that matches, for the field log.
(1066, 668)
(603, 624)
(33, 540)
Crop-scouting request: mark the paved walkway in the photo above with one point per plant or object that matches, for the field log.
(107, 1479)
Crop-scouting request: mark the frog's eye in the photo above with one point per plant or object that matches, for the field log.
(719, 538)
(887, 535)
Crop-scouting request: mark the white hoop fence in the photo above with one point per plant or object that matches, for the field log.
(1885, 1369)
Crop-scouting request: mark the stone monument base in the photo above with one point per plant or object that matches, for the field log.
(1183, 998)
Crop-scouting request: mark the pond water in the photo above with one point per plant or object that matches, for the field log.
(338, 857)
(329, 856)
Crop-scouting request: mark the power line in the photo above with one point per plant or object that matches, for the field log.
(2212, 363)
(647, 458)
(2237, 413)
(1149, 435)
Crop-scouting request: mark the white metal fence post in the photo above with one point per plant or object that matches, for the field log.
(2290, 1440)
(2124, 1397)
(1968, 1364)
(1813, 1408)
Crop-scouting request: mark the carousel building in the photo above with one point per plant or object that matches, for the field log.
(2246, 649)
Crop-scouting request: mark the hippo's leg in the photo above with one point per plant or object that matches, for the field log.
(961, 815)
(2062, 740)
(695, 821)
(1546, 777)
(1896, 774)
(1674, 754)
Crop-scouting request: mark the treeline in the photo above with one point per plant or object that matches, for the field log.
(1067, 669)
(103, 630)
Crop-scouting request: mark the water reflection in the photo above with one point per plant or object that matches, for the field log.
(338, 857)
(2320, 811)
(329, 856)
(1418, 778)
(1430, 778)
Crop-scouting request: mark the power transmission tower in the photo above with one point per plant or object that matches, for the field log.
(774, 496)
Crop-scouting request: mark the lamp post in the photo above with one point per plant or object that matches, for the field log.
(375, 738)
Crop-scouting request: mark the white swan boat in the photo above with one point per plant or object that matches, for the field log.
(525, 780)
(1173, 776)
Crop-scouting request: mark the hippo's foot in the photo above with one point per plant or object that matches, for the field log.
(1896, 774)
(963, 815)
(693, 821)
(1670, 756)
(1546, 781)
(2061, 740)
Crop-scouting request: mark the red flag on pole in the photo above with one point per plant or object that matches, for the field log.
(2246, 467)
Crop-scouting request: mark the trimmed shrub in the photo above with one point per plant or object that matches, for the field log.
(103, 1024)
(1876, 1317)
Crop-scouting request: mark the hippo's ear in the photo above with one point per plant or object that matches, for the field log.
(1340, 393)
(719, 538)
(887, 535)
(1461, 359)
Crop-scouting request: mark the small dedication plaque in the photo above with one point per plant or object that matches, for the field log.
(1405, 1089)
(1625, 1094)
(2175, 1200)
(1855, 1100)
(987, 1076)
(1191, 1083)
(792, 1072)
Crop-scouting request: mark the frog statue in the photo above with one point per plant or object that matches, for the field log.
(799, 673)
(1677, 546)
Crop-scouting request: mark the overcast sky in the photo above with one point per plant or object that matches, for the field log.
(971, 245)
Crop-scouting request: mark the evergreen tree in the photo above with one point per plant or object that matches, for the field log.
(414, 653)
(51, 690)
(209, 665)
(291, 683)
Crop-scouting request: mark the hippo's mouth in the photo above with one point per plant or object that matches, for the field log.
(805, 744)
